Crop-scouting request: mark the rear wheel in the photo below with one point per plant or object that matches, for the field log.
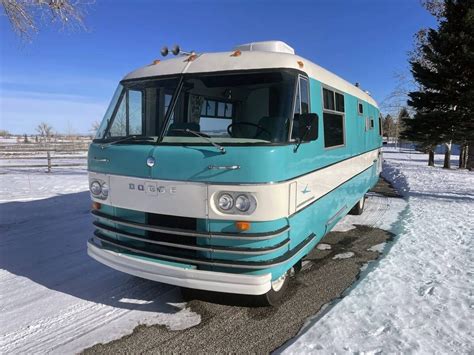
(359, 207)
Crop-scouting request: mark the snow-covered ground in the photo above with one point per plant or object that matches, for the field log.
(419, 297)
(53, 297)
(34, 184)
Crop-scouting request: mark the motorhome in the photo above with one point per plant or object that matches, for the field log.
(222, 171)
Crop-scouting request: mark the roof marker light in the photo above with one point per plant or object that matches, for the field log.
(191, 57)
(236, 53)
(300, 63)
(156, 61)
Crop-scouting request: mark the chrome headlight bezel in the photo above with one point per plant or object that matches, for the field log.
(99, 189)
(234, 210)
(95, 188)
(223, 200)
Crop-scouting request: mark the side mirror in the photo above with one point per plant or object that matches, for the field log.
(308, 124)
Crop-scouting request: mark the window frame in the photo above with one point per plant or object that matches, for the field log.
(334, 91)
(296, 94)
(360, 104)
(334, 112)
(380, 125)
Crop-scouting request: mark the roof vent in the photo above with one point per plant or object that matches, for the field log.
(266, 46)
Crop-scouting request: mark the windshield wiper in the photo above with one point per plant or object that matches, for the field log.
(197, 134)
(128, 138)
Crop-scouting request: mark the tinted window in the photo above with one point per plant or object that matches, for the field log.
(361, 108)
(328, 98)
(333, 129)
(339, 102)
(304, 95)
(380, 125)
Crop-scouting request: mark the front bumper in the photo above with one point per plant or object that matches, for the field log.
(184, 277)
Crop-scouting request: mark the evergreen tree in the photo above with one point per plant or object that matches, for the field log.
(444, 104)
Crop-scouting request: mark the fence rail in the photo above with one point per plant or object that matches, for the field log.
(20, 153)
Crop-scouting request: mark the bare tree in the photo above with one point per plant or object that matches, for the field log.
(44, 130)
(24, 14)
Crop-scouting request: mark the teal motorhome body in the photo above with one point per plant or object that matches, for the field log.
(221, 171)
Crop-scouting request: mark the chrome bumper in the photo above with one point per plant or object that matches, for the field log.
(184, 277)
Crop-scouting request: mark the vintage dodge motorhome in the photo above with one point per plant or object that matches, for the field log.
(221, 171)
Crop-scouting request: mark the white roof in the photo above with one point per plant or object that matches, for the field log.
(249, 58)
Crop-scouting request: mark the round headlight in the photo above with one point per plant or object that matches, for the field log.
(242, 203)
(95, 188)
(226, 202)
(105, 189)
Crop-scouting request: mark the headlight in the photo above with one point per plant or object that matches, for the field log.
(105, 190)
(95, 188)
(242, 203)
(99, 189)
(231, 202)
(226, 202)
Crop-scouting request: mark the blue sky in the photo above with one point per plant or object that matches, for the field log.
(67, 77)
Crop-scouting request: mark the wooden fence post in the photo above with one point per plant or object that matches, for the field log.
(49, 161)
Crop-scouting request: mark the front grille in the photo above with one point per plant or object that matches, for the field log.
(178, 239)
(160, 220)
(163, 220)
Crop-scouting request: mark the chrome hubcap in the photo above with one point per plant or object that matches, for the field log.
(278, 283)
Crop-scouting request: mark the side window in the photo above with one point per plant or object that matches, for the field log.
(333, 118)
(301, 104)
(119, 123)
(135, 112)
(380, 125)
(360, 108)
(328, 99)
(128, 118)
(369, 123)
(304, 94)
(333, 129)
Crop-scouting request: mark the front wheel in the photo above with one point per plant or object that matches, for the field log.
(358, 209)
(276, 293)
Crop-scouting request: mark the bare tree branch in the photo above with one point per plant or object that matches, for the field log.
(24, 14)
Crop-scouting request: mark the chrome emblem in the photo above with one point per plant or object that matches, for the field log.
(150, 161)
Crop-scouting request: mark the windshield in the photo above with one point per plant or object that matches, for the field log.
(226, 108)
(236, 108)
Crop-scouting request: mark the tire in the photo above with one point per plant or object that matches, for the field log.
(358, 208)
(276, 293)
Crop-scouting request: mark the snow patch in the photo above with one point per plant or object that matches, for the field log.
(323, 246)
(347, 255)
(378, 247)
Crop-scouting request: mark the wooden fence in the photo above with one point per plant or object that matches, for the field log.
(52, 155)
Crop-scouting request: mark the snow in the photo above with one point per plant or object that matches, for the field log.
(34, 184)
(54, 298)
(323, 246)
(347, 255)
(418, 298)
(378, 247)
